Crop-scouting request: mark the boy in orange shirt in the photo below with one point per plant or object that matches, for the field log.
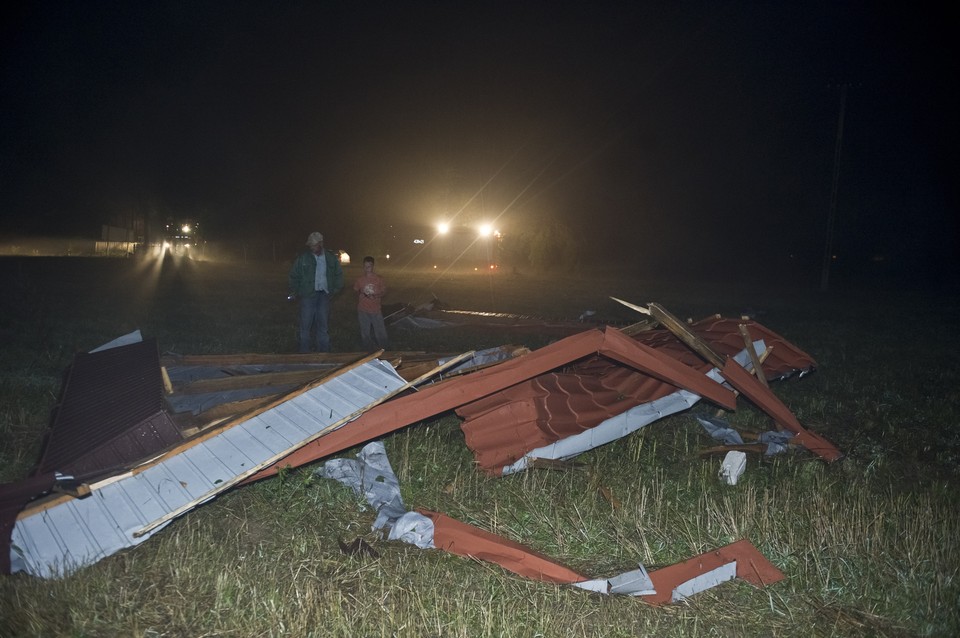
(371, 288)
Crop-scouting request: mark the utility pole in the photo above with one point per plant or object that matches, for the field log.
(832, 215)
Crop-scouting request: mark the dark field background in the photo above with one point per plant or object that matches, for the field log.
(868, 544)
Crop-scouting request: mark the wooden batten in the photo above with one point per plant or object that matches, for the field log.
(685, 335)
(248, 381)
(748, 344)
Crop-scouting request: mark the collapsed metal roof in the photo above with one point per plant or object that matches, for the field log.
(505, 426)
(453, 393)
(599, 383)
(70, 533)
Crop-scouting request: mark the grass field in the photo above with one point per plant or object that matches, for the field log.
(870, 545)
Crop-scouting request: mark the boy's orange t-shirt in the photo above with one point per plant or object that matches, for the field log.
(370, 303)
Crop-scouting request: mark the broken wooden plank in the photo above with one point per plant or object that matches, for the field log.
(752, 352)
(682, 332)
(248, 381)
(316, 358)
(190, 424)
(638, 327)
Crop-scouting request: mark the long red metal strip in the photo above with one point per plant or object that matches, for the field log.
(767, 401)
(463, 539)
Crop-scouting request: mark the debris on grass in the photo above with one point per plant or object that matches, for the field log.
(245, 417)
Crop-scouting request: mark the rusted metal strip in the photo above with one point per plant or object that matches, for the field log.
(767, 401)
(462, 539)
(752, 566)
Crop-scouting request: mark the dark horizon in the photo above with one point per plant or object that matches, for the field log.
(689, 132)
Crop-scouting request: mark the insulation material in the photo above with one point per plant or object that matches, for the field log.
(370, 476)
(703, 582)
(733, 466)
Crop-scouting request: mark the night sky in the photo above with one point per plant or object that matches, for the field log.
(648, 129)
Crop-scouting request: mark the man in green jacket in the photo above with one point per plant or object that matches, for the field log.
(315, 277)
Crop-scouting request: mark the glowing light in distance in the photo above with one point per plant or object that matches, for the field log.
(443, 228)
(485, 230)
(418, 241)
(388, 255)
(344, 257)
(186, 228)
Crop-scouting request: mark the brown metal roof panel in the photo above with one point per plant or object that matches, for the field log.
(767, 401)
(142, 440)
(463, 539)
(503, 436)
(106, 397)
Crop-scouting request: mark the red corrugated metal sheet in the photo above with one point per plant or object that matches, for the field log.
(503, 427)
(111, 411)
(435, 399)
(723, 336)
(769, 403)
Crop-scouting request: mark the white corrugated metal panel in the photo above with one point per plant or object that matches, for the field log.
(79, 532)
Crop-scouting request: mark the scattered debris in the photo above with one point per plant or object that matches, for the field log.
(370, 474)
(63, 534)
(734, 463)
(215, 422)
(435, 314)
